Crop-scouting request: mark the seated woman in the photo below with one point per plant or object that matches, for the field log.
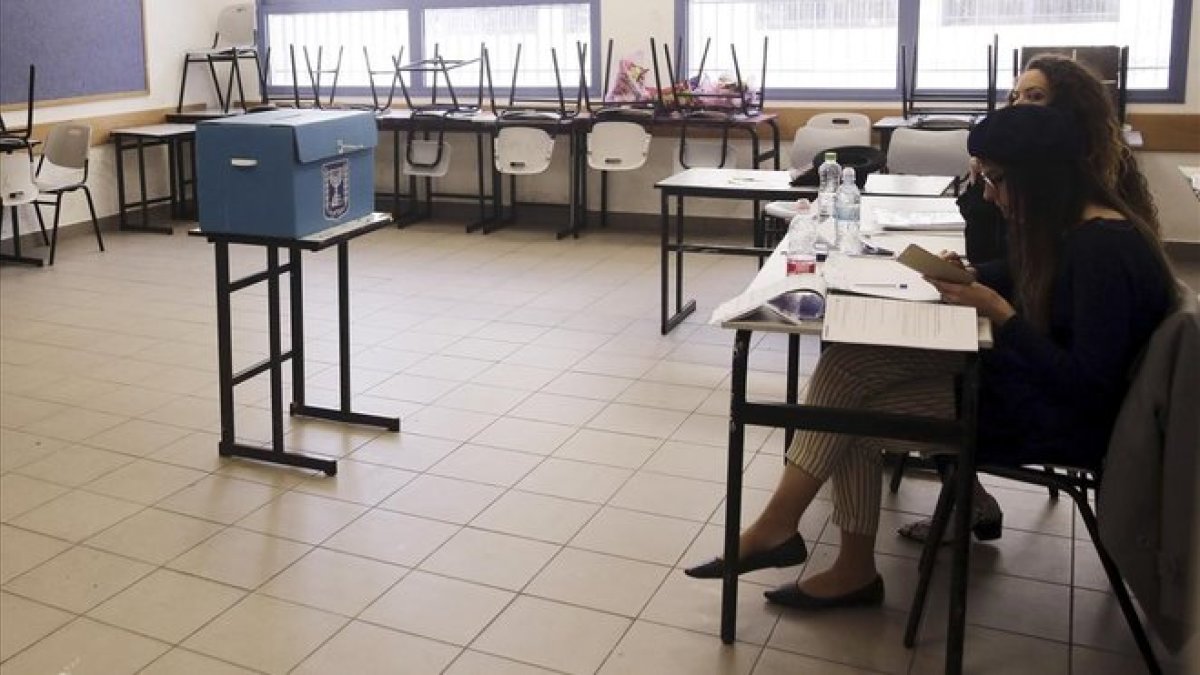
(1085, 285)
(1058, 82)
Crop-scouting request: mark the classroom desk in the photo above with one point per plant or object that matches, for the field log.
(792, 415)
(338, 236)
(175, 137)
(741, 184)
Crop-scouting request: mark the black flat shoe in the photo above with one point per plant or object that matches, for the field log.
(790, 595)
(790, 552)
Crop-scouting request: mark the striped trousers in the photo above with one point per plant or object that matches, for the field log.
(886, 379)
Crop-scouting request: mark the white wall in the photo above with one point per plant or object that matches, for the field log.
(172, 27)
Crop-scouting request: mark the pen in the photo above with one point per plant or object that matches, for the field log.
(880, 284)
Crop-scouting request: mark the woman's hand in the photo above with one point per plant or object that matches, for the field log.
(956, 259)
(986, 301)
(973, 170)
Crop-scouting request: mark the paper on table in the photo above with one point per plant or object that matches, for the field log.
(878, 276)
(906, 184)
(888, 219)
(756, 298)
(896, 323)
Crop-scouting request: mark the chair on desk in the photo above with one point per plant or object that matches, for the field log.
(234, 41)
(17, 138)
(63, 168)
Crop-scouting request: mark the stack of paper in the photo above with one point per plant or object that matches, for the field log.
(896, 323)
(919, 220)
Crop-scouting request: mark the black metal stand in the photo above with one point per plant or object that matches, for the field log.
(338, 236)
(178, 176)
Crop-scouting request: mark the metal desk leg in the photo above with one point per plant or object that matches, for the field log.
(296, 278)
(793, 383)
(603, 199)
(964, 488)
(396, 175)
(173, 177)
(774, 124)
(225, 350)
(16, 256)
(122, 219)
(275, 348)
(479, 169)
(681, 310)
(733, 483)
(141, 159)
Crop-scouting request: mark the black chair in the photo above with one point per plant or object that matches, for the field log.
(1074, 481)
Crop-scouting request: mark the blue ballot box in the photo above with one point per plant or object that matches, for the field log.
(285, 173)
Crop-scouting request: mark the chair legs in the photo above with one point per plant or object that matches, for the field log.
(16, 256)
(1049, 479)
(95, 222)
(54, 231)
(37, 209)
(58, 198)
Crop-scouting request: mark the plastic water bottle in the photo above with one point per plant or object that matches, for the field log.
(830, 175)
(847, 209)
(801, 241)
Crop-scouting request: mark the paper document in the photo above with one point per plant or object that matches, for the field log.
(896, 323)
(764, 300)
(906, 184)
(888, 219)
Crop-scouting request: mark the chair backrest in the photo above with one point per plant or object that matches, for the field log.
(523, 150)
(811, 141)
(235, 26)
(427, 158)
(617, 146)
(67, 145)
(16, 179)
(841, 120)
(923, 152)
(706, 154)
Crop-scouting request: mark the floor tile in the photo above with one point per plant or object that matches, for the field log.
(483, 398)
(553, 635)
(25, 622)
(21, 551)
(358, 482)
(455, 425)
(448, 499)
(631, 419)
(167, 605)
(776, 662)
(641, 536)
(511, 561)
(484, 464)
(76, 515)
(88, 648)
(837, 636)
(670, 496)
(18, 448)
(437, 607)
(220, 499)
(21, 494)
(265, 634)
(598, 581)
(568, 410)
(588, 385)
(73, 424)
(580, 481)
(525, 435)
(991, 651)
(153, 535)
(78, 579)
(333, 581)
(535, 516)
(477, 663)
(364, 649)
(391, 537)
(653, 648)
(302, 517)
(145, 481)
(663, 395)
(75, 465)
(239, 558)
(405, 450)
(695, 605)
(183, 662)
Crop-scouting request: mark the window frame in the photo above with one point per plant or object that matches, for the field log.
(417, 49)
(907, 23)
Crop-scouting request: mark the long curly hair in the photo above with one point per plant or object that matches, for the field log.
(1077, 90)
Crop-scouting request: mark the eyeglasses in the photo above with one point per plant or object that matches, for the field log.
(993, 182)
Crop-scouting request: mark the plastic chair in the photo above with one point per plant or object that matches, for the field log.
(706, 154)
(429, 158)
(17, 189)
(63, 168)
(523, 151)
(925, 152)
(617, 146)
(234, 40)
(823, 132)
(842, 120)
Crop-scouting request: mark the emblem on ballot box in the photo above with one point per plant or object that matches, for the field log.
(335, 182)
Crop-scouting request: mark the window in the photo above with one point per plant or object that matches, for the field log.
(848, 48)
(455, 29)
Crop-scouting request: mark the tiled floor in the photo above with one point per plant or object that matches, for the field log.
(559, 461)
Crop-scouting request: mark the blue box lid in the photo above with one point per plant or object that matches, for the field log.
(318, 133)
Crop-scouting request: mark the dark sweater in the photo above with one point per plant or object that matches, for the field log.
(1054, 397)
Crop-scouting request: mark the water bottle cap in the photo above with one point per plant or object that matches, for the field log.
(830, 156)
(848, 174)
(803, 206)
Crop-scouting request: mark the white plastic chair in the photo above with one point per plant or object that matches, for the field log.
(63, 168)
(427, 158)
(923, 152)
(234, 40)
(17, 189)
(617, 146)
(822, 132)
(523, 151)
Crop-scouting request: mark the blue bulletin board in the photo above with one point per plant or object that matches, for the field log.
(81, 48)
